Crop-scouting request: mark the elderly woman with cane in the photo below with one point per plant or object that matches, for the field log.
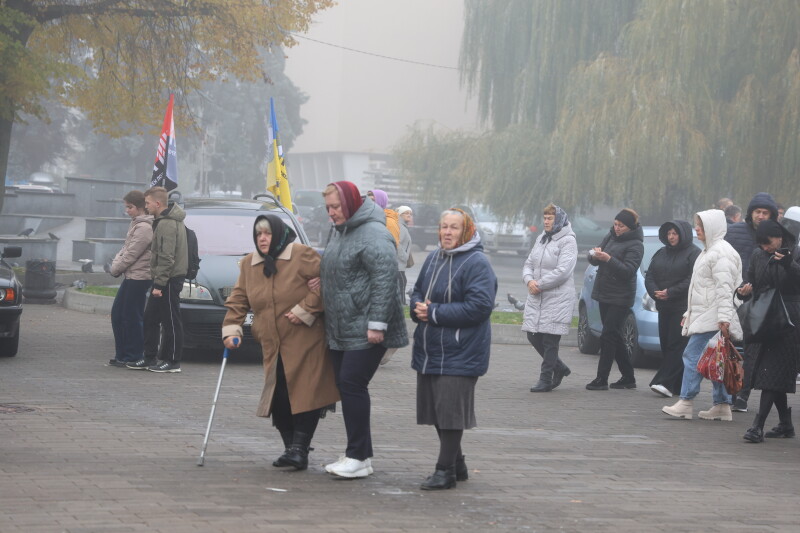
(287, 322)
(452, 303)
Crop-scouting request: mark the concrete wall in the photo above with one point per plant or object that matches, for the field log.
(100, 197)
(31, 249)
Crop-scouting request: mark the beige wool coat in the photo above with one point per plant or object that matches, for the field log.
(308, 367)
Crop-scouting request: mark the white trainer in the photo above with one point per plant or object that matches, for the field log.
(336, 462)
(351, 468)
(681, 409)
(662, 390)
(721, 411)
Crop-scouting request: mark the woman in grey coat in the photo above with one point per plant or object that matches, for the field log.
(551, 294)
(363, 312)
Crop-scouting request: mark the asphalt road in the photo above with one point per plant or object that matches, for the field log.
(86, 448)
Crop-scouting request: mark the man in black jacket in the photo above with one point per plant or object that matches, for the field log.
(742, 236)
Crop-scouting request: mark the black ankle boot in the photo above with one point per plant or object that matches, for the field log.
(756, 432)
(784, 429)
(545, 383)
(462, 472)
(443, 478)
(286, 436)
(559, 374)
(297, 454)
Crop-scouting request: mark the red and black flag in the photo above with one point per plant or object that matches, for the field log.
(165, 171)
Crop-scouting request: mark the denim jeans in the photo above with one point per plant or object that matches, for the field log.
(127, 322)
(691, 377)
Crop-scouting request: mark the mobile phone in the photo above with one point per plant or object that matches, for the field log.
(782, 251)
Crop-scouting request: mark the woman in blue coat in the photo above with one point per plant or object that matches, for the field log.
(451, 304)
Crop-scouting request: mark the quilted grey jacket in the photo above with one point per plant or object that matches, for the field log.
(359, 283)
(551, 265)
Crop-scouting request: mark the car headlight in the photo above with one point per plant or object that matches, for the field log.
(648, 303)
(194, 292)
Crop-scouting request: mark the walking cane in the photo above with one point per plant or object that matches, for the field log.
(202, 459)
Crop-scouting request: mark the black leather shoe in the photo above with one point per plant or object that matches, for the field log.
(440, 480)
(597, 384)
(462, 472)
(542, 386)
(623, 383)
(558, 375)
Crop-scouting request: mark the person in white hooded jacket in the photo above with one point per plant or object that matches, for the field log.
(716, 274)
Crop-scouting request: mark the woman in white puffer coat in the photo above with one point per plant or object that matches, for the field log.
(716, 274)
(551, 294)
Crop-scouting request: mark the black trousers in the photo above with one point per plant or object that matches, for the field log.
(670, 373)
(282, 417)
(354, 370)
(402, 281)
(162, 321)
(546, 345)
(612, 347)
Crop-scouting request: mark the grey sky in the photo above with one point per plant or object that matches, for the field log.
(365, 103)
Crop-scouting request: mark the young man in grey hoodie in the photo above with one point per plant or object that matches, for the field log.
(169, 261)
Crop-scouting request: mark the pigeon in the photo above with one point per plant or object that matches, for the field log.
(516, 303)
(25, 232)
(54, 236)
(79, 284)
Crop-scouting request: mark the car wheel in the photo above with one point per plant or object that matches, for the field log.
(630, 337)
(9, 346)
(587, 343)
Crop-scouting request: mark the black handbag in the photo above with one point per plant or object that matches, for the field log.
(764, 316)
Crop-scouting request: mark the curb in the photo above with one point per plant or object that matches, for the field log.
(501, 333)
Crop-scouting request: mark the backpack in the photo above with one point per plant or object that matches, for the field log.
(194, 254)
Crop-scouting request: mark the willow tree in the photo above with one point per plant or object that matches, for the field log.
(663, 106)
(118, 59)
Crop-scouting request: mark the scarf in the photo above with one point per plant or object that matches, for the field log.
(469, 227)
(349, 196)
(282, 235)
(558, 224)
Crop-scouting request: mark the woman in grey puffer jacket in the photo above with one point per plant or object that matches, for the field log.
(363, 312)
(548, 310)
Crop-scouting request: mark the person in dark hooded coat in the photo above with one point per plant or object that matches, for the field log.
(742, 236)
(775, 264)
(667, 282)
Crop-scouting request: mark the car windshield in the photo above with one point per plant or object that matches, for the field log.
(225, 234)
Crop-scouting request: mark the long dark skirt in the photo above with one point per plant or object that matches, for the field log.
(447, 402)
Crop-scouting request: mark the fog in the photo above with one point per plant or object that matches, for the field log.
(361, 102)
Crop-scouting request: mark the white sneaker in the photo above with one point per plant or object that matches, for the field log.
(721, 411)
(681, 409)
(351, 468)
(662, 390)
(336, 462)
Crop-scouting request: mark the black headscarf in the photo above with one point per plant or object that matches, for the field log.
(282, 235)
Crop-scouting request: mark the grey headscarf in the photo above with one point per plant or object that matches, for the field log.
(558, 224)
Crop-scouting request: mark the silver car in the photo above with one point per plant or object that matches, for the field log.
(224, 229)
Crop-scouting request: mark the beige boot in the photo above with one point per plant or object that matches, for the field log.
(681, 409)
(721, 411)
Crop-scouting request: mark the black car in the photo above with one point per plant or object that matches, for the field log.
(224, 229)
(10, 303)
